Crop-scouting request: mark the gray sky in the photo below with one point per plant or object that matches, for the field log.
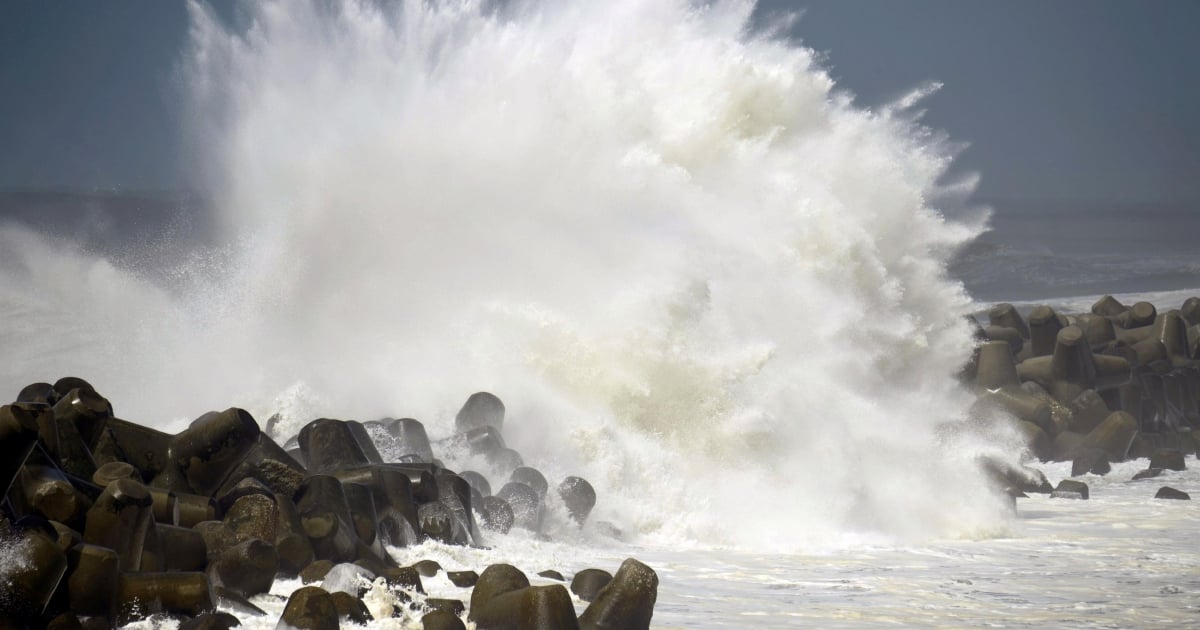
(1069, 99)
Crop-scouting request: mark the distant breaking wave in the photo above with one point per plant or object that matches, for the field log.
(695, 273)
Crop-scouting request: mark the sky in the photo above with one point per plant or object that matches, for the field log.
(1078, 100)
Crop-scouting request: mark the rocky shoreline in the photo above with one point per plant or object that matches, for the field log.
(105, 522)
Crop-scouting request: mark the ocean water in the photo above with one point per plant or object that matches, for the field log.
(696, 272)
(1045, 250)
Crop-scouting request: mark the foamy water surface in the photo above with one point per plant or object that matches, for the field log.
(1120, 559)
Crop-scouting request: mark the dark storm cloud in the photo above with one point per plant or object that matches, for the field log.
(1079, 99)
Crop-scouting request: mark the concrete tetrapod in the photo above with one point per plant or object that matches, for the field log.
(587, 583)
(579, 497)
(309, 608)
(18, 436)
(481, 409)
(1072, 368)
(142, 594)
(495, 580)
(1113, 436)
(31, 583)
(120, 520)
(626, 603)
(1005, 314)
(329, 445)
(1044, 325)
(212, 445)
(529, 608)
(410, 438)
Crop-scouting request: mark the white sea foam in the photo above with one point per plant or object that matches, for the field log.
(696, 274)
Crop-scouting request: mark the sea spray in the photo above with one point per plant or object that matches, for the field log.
(696, 274)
